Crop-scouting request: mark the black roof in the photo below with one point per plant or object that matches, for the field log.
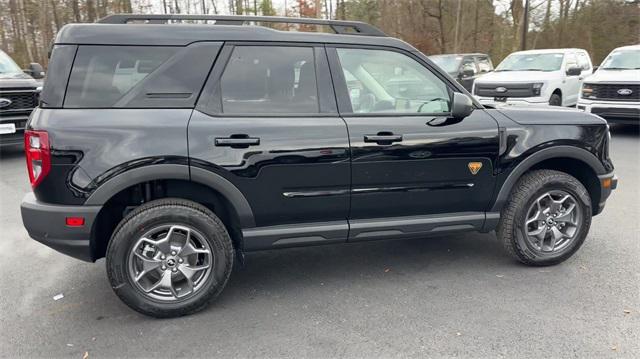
(115, 30)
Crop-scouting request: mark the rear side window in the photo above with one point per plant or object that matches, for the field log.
(484, 65)
(102, 75)
(270, 80)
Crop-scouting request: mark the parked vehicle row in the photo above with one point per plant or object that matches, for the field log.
(555, 77)
(173, 149)
(19, 94)
(613, 91)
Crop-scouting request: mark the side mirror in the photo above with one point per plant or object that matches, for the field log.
(461, 106)
(35, 70)
(574, 71)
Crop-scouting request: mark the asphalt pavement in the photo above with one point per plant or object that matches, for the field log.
(454, 296)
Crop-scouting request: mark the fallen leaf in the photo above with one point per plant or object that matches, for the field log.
(58, 296)
(69, 344)
(458, 334)
(500, 275)
(386, 270)
(627, 311)
(614, 348)
(85, 355)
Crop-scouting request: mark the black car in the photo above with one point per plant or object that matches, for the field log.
(465, 68)
(19, 93)
(174, 149)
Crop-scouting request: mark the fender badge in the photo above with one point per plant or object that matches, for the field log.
(475, 167)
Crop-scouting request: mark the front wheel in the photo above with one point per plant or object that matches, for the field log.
(169, 257)
(555, 100)
(546, 219)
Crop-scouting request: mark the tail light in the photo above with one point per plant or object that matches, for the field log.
(36, 147)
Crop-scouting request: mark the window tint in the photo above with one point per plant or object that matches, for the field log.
(101, 75)
(270, 80)
(583, 61)
(484, 65)
(381, 81)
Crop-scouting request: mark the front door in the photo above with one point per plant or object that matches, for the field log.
(267, 122)
(409, 158)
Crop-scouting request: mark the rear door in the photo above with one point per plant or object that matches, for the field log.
(409, 158)
(267, 122)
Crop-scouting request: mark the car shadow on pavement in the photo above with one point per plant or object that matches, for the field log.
(625, 130)
(11, 152)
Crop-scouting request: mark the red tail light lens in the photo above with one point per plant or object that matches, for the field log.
(36, 147)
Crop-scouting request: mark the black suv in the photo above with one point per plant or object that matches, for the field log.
(18, 97)
(172, 149)
(465, 68)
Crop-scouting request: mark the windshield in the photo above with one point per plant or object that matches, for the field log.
(531, 62)
(622, 60)
(449, 63)
(7, 66)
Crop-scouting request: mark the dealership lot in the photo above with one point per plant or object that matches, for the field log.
(442, 296)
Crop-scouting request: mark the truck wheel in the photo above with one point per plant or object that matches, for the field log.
(169, 257)
(546, 218)
(555, 100)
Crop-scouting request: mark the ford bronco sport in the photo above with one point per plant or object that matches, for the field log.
(172, 149)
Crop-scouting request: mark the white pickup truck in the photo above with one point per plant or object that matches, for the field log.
(535, 77)
(613, 91)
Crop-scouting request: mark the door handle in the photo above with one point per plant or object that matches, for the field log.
(237, 141)
(383, 138)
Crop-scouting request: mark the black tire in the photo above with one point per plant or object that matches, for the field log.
(159, 212)
(530, 187)
(555, 100)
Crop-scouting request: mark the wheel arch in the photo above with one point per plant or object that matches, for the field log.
(575, 161)
(136, 186)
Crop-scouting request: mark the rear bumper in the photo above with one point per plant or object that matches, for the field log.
(605, 190)
(46, 223)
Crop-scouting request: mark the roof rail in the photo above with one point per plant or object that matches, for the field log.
(338, 26)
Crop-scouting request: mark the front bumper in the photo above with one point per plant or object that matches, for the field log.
(608, 182)
(46, 223)
(613, 111)
(514, 101)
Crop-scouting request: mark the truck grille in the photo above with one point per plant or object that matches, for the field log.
(610, 92)
(20, 100)
(512, 90)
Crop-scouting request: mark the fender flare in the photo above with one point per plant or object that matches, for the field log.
(180, 172)
(537, 157)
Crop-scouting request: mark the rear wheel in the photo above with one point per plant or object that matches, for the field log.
(546, 219)
(555, 100)
(169, 257)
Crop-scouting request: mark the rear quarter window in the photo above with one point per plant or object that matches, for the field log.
(102, 75)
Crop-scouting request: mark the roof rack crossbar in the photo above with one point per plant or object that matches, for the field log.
(338, 26)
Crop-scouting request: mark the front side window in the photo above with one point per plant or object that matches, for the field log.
(531, 62)
(270, 80)
(572, 61)
(102, 75)
(484, 65)
(583, 61)
(381, 81)
(469, 65)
